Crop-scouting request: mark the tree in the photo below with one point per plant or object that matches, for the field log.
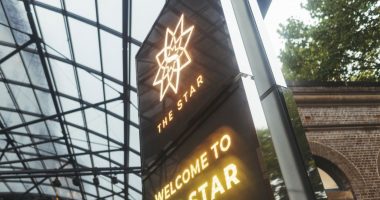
(341, 44)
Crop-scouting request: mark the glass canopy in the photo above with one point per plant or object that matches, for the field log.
(68, 103)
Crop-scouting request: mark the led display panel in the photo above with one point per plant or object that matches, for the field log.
(197, 134)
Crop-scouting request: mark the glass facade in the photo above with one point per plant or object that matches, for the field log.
(68, 102)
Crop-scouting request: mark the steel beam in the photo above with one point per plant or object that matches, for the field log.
(58, 156)
(67, 172)
(58, 115)
(39, 182)
(28, 145)
(3, 151)
(127, 8)
(18, 49)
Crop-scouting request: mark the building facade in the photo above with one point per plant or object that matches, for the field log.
(342, 123)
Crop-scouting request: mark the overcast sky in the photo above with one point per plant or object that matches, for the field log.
(279, 11)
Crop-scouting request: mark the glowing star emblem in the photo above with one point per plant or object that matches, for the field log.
(173, 58)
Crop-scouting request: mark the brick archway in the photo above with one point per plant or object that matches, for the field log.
(350, 171)
(378, 163)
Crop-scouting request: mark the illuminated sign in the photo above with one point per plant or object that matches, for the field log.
(173, 58)
(217, 185)
(182, 101)
(220, 167)
(197, 135)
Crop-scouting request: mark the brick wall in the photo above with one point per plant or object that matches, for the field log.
(342, 125)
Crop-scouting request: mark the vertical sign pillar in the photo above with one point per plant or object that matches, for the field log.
(282, 117)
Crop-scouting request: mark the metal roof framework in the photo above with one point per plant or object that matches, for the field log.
(68, 104)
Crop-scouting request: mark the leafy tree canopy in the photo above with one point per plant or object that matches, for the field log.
(341, 44)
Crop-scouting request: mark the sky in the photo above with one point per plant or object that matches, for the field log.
(279, 11)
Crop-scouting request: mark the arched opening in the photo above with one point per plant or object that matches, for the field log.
(335, 182)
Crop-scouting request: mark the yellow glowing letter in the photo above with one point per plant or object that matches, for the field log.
(202, 189)
(230, 173)
(195, 169)
(178, 186)
(179, 104)
(199, 80)
(204, 161)
(192, 90)
(185, 178)
(159, 196)
(159, 128)
(213, 147)
(225, 143)
(167, 191)
(170, 115)
(172, 190)
(192, 195)
(216, 187)
(185, 96)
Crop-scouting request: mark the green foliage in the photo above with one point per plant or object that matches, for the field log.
(342, 43)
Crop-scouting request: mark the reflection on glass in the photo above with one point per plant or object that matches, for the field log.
(303, 144)
(272, 167)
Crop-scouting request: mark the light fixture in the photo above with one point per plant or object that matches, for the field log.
(96, 181)
(76, 181)
(56, 182)
(114, 180)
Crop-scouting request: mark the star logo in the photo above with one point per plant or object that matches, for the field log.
(173, 58)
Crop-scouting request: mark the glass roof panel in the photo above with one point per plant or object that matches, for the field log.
(5, 100)
(6, 36)
(91, 87)
(64, 78)
(48, 190)
(113, 20)
(34, 69)
(16, 186)
(100, 162)
(11, 119)
(45, 99)
(134, 138)
(86, 49)
(95, 120)
(118, 157)
(135, 181)
(25, 99)
(13, 69)
(116, 128)
(55, 3)
(53, 31)
(78, 137)
(134, 159)
(84, 8)
(134, 115)
(98, 143)
(84, 160)
(3, 19)
(3, 187)
(112, 55)
(141, 21)
(115, 107)
(14, 13)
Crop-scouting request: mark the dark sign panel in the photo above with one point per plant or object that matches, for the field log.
(198, 137)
